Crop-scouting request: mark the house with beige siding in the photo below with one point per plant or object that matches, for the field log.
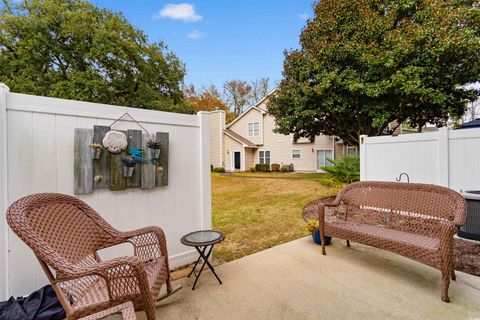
(250, 139)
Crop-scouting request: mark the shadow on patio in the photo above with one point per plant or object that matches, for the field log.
(294, 281)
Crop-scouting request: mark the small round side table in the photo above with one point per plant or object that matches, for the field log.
(202, 240)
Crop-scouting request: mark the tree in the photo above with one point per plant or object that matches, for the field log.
(207, 99)
(238, 94)
(74, 50)
(363, 64)
(259, 89)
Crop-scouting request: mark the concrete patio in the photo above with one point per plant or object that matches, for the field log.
(294, 281)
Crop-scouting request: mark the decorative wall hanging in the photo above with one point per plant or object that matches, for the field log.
(119, 159)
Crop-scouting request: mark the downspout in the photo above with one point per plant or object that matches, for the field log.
(222, 163)
(263, 131)
(333, 147)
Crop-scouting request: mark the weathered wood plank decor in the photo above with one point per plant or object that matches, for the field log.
(148, 170)
(108, 172)
(101, 167)
(117, 181)
(162, 176)
(135, 141)
(83, 171)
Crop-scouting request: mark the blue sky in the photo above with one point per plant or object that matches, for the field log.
(220, 40)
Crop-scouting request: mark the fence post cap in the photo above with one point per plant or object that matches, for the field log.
(4, 86)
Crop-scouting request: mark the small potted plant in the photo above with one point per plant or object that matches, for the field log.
(128, 166)
(97, 150)
(154, 148)
(313, 227)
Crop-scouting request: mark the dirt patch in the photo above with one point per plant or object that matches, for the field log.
(467, 253)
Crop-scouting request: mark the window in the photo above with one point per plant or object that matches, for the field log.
(322, 156)
(253, 129)
(264, 157)
(352, 151)
(296, 154)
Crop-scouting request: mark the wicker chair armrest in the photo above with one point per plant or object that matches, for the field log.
(124, 276)
(149, 242)
(100, 268)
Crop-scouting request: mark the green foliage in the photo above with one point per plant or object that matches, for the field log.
(74, 50)
(331, 182)
(312, 226)
(365, 63)
(287, 168)
(219, 169)
(252, 169)
(262, 167)
(345, 170)
(275, 167)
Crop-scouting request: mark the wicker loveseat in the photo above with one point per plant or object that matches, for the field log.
(65, 234)
(417, 221)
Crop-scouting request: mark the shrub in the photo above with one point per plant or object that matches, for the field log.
(345, 170)
(219, 170)
(331, 182)
(275, 167)
(263, 167)
(252, 169)
(287, 168)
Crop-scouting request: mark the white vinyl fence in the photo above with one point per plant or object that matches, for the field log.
(37, 155)
(447, 157)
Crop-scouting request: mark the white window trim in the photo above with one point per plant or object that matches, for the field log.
(328, 149)
(264, 155)
(253, 129)
(299, 153)
(352, 147)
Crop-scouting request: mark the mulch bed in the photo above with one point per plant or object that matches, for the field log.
(467, 253)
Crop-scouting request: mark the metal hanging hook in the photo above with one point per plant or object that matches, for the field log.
(400, 177)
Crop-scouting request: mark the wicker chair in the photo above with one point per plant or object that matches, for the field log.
(417, 221)
(65, 235)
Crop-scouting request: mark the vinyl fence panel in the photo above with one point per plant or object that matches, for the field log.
(447, 157)
(37, 155)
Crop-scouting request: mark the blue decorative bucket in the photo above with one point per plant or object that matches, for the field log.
(317, 240)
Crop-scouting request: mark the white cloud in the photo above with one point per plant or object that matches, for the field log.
(303, 16)
(181, 11)
(195, 34)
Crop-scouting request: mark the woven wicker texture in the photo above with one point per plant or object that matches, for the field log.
(417, 221)
(65, 235)
(126, 309)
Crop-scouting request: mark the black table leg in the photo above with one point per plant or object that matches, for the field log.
(199, 257)
(205, 262)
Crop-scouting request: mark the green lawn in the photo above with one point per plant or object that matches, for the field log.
(280, 175)
(259, 213)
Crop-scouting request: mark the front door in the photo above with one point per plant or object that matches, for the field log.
(237, 162)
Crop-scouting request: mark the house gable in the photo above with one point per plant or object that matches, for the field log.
(240, 126)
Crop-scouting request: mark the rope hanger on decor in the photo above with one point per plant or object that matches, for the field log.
(128, 114)
(116, 141)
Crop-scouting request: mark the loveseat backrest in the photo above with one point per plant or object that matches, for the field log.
(411, 207)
